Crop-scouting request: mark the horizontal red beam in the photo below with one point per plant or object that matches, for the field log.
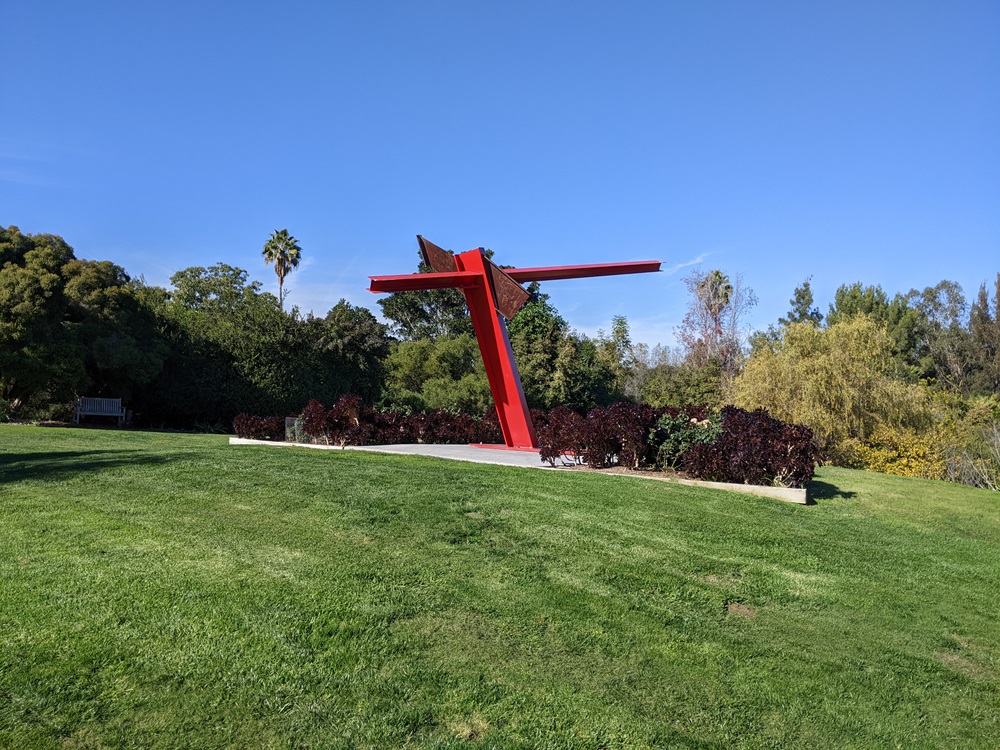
(553, 273)
(413, 282)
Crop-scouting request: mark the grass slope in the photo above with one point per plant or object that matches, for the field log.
(173, 591)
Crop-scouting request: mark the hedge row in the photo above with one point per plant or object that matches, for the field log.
(350, 422)
(732, 446)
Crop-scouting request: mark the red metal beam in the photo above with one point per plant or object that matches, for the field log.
(412, 282)
(553, 273)
(498, 357)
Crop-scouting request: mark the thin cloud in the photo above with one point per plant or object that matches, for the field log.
(697, 261)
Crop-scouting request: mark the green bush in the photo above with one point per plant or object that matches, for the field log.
(675, 433)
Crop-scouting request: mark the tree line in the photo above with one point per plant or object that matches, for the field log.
(193, 356)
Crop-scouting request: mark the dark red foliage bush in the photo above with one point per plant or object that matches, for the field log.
(314, 420)
(561, 433)
(350, 422)
(755, 448)
(259, 428)
(346, 423)
(632, 424)
(487, 429)
(600, 438)
(612, 435)
(391, 428)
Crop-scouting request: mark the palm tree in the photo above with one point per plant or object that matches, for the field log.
(283, 250)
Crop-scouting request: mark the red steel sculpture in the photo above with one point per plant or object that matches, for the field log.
(495, 294)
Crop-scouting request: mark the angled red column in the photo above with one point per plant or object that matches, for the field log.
(493, 294)
(498, 357)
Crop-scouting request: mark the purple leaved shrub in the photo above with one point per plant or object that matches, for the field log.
(755, 448)
(259, 428)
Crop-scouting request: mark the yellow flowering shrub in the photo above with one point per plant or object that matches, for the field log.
(904, 452)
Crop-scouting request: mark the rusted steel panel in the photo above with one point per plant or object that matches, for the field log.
(507, 293)
(440, 260)
(553, 273)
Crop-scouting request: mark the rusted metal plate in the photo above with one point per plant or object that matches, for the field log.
(440, 260)
(508, 294)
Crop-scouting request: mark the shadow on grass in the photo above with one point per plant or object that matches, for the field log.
(55, 465)
(820, 490)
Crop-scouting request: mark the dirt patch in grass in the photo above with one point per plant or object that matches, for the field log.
(959, 663)
(740, 610)
(470, 728)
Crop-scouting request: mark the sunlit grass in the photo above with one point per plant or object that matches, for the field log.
(173, 591)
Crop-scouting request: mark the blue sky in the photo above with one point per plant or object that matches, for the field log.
(849, 141)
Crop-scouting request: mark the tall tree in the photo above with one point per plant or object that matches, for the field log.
(41, 361)
(712, 328)
(444, 372)
(899, 319)
(802, 310)
(943, 341)
(361, 346)
(69, 327)
(984, 331)
(837, 380)
(283, 251)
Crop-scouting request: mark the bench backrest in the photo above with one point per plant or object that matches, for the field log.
(99, 406)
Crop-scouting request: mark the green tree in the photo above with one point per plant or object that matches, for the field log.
(360, 345)
(899, 320)
(428, 313)
(69, 327)
(943, 345)
(444, 372)
(559, 367)
(984, 333)
(616, 353)
(284, 252)
(683, 384)
(123, 348)
(41, 361)
(712, 328)
(216, 289)
(838, 380)
(802, 310)
(234, 350)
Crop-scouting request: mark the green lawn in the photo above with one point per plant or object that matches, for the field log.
(167, 591)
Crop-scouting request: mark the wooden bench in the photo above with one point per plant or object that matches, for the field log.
(87, 406)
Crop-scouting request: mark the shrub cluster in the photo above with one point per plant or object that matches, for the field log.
(259, 428)
(901, 451)
(629, 435)
(754, 448)
(734, 446)
(350, 422)
(613, 435)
